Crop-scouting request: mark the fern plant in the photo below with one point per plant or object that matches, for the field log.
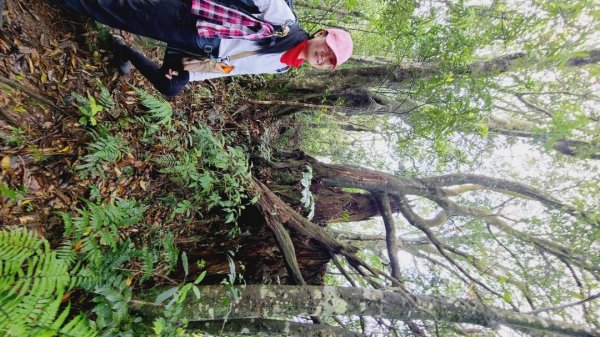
(105, 98)
(159, 110)
(96, 230)
(15, 136)
(33, 281)
(308, 199)
(106, 149)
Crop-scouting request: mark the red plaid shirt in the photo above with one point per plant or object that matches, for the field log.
(213, 18)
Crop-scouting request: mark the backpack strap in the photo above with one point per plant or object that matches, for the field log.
(241, 55)
(249, 8)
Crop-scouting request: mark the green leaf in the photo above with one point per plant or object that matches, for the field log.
(184, 261)
(159, 325)
(507, 296)
(165, 295)
(200, 277)
(230, 218)
(196, 292)
(5, 191)
(183, 293)
(94, 108)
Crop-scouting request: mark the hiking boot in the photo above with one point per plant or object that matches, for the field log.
(119, 59)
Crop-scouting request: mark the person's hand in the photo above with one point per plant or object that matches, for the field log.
(171, 73)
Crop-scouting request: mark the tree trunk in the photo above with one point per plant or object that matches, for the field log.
(361, 76)
(264, 327)
(264, 301)
(354, 82)
(332, 204)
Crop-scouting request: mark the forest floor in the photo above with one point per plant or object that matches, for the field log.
(46, 55)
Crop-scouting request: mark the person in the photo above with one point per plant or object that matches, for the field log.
(237, 42)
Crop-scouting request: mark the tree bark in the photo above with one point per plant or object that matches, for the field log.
(263, 301)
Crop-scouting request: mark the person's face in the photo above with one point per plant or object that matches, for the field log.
(318, 54)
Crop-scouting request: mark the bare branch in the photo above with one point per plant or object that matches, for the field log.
(30, 92)
(533, 106)
(511, 187)
(566, 305)
(409, 214)
(495, 220)
(392, 242)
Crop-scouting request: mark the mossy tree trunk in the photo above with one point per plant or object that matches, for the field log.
(263, 301)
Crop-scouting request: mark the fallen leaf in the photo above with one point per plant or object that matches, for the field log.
(5, 163)
(26, 219)
(143, 184)
(65, 149)
(25, 50)
(65, 297)
(77, 246)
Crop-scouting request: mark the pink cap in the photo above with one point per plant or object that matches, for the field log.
(341, 43)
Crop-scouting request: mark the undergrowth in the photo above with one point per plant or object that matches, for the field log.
(111, 247)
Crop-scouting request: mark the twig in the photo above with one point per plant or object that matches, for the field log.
(30, 92)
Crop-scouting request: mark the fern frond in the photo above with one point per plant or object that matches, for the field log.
(95, 233)
(33, 280)
(148, 260)
(79, 326)
(158, 109)
(106, 149)
(18, 245)
(167, 160)
(105, 98)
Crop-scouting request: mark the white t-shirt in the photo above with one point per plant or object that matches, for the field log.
(276, 12)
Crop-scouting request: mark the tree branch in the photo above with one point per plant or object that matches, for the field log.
(495, 220)
(263, 326)
(409, 214)
(533, 106)
(564, 306)
(392, 242)
(509, 186)
(31, 93)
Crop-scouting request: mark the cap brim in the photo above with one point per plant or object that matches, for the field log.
(335, 52)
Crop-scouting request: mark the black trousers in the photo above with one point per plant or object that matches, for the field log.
(170, 21)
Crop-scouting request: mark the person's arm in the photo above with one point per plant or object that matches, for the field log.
(275, 11)
(251, 65)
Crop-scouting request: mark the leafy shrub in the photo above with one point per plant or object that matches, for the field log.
(218, 174)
